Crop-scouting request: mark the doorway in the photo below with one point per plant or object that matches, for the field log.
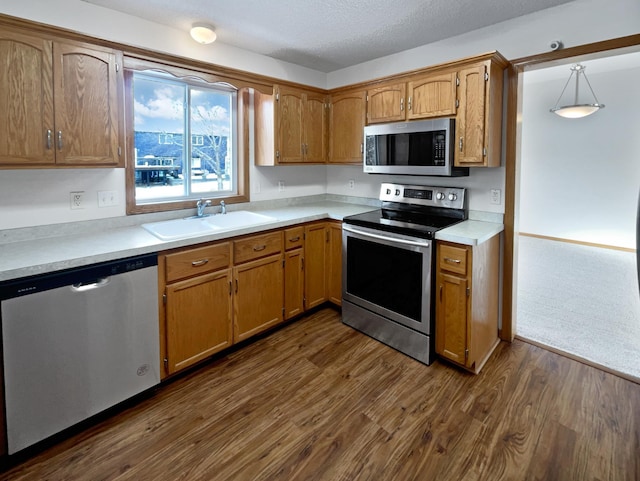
(560, 265)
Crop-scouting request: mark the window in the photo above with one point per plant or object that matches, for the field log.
(185, 142)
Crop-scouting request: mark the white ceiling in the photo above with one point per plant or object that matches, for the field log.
(328, 35)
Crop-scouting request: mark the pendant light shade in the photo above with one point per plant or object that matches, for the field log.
(203, 33)
(577, 110)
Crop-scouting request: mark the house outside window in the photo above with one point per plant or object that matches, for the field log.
(185, 139)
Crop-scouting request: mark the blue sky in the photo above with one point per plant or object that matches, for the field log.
(159, 107)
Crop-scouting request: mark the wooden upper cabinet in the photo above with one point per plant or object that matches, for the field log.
(316, 128)
(60, 103)
(432, 96)
(479, 118)
(26, 99)
(289, 117)
(386, 104)
(291, 127)
(86, 105)
(346, 126)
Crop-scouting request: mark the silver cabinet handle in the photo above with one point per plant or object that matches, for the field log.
(401, 104)
(59, 139)
(452, 261)
(49, 139)
(460, 144)
(199, 263)
(409, 104)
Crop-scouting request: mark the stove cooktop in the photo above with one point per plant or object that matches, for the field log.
(408, 223)
(414, 210)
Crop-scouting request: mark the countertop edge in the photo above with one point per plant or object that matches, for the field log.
(470, 232)
(45, 255)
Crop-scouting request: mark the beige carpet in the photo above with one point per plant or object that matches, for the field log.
(581, 300)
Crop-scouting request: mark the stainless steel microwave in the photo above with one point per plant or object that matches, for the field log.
(421, 147)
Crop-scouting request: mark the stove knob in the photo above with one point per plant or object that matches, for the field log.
(452, 196)
(388, 191)
(397, 192)
(440, 196)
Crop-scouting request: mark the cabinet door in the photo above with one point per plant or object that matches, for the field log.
(346, 127)
(433, 96)
(470, 121)
(293, 283)
(451, 318)
(386, 104)
(315, 128)
(198, 316)
(86, 86)
(259, 296)
(26, 99)
(334, 290)
(290, 139)
(315, 247)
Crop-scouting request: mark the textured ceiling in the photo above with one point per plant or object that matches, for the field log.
(328, 35)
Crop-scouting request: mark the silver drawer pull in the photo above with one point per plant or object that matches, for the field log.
(199, 263)
(49, 139)
(294, 239)
(59, 139)
(453, 261)
(259, 248)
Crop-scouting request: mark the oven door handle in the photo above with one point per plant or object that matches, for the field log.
(384, 238)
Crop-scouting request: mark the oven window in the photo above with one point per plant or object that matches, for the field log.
(390, 277)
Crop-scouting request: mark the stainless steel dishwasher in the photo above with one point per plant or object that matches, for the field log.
(75, 343)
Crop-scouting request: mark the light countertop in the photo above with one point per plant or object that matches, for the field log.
(470, 232)
(39, 255)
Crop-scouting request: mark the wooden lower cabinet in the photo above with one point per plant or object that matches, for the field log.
(467, 294)
(215, 295)
(323, 263)
(258, 297)
(196, 294)
(316, 240)
(198, 314)
(293, 272)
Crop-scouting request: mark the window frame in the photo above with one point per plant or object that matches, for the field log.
(241, 146)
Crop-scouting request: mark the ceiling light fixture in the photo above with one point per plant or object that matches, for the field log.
(203, 33)
(577, 110)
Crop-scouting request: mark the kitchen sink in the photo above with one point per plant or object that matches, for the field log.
(198, 226)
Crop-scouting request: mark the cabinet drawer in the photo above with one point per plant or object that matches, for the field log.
(197, 261)
(257, 246)
(452, 259)
(293, 237)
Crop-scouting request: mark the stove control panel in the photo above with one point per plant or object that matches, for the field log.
(450, 197)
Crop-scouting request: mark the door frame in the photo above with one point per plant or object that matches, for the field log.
(512, 156)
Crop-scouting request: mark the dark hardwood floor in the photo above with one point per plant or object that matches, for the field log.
(317, 400)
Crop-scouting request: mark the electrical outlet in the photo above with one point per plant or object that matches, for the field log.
(280, 186)
(107, 198)
(496, 196)
(352, 183)
(77, 200)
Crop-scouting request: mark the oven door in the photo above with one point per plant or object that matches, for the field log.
(389, 274)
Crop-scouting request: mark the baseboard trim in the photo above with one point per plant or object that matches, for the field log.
(573, 241)
(580, 359)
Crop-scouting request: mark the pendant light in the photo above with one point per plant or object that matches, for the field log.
(577, 110)
(203, 33)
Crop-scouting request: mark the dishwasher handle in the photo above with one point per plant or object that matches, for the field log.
(88, 286)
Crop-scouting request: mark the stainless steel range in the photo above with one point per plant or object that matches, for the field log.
(388, 265)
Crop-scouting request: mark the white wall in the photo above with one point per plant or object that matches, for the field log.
(519, 37)
(580, 177)
(575, 23)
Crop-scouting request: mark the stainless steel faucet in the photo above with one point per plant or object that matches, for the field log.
(223, 207)
(200, 205)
